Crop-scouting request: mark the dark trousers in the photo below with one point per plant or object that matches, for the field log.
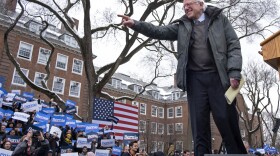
(206, 94)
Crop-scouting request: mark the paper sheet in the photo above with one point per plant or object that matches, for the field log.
(232, 93)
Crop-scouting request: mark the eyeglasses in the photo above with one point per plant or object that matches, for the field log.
(186, 5)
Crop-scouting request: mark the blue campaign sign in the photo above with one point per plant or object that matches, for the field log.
(92, 136)
(42, 117)
(81, 126)
(59, 114)
(28, 95)
(45, 104)
(14, 139)
(3, 92)
(8, 113)
(19, 98)
(71, 123)
(42, 125)
(48, 110)
(92, 128)
(117, 151)
(58, 121)
(70, 103)
(71, 110)
(69, 117)
(131, 136)
(2, 113)
(7, 130)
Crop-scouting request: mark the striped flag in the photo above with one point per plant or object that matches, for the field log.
(127, 115)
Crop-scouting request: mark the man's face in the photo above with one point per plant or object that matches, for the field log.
(135, 147)
(193, 8)
(187, 154)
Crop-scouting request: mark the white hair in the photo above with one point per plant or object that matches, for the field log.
(204, 4)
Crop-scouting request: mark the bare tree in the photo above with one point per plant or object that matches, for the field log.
(258, 87)
(158, 12)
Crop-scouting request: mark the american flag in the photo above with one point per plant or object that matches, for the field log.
(127, 115)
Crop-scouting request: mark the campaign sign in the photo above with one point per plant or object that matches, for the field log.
(21, 116)
(69, 117)
(3, 91)
(92, 128)
(34, 128)
(17, 92)
(108, 142)
(117, 151)
(30, 106)
(8, 113)
(71, 110)
(1, 100)
(100, 152)
(14, 139)
(28, 95)
(48, 110)
(42, 117)
(8, 104)
(58, 115)
(91, 136)
(81, 142)
(7, 130)
(55, 130)
(45, 105)
(2, 113)
(58, 121)
(71, 123)
(9, 97)
(81, 126)
(4, 152)
(64, 148)
(70, 103)
(42, 125)
(131, 136)
(19, 98)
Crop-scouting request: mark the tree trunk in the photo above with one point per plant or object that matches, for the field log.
(273, 142)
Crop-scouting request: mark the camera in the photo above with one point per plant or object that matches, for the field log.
(36, 133)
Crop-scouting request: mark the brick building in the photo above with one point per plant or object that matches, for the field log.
(163, 111)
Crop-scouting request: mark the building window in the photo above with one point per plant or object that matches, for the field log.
(155, 94)
(179, 111)
(61, 62)
(170, 129)
(43, 56)
(160, 146)
(170, 112)
(160, 128)
(179, 128)
(75, 88)
(58, 85)
(175, 95)
(17, 80)
(135, 103)
(116, 83)
(153, 127)
(143, 108)
(143, 145)
(154, 111)
(137, 88)
(38, 78)
(25, 50)
(77, 66)
(179, 145)
(160, 112)
(154, 147)
(142, 126)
